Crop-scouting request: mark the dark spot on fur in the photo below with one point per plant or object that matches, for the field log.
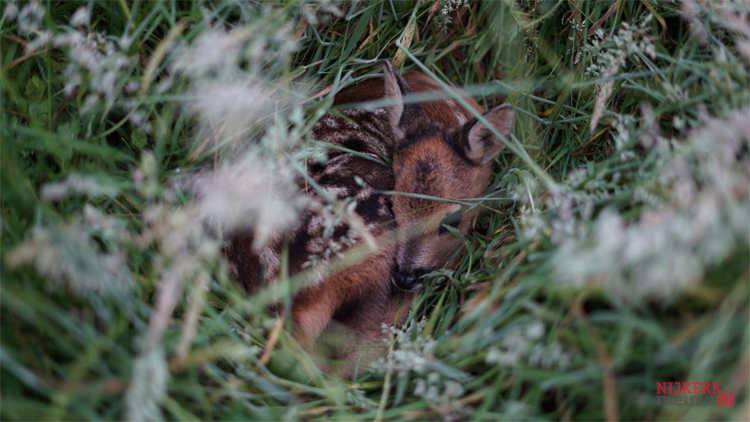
(348, 311)
(340, 231)
(413, 137)
(245, 262)
(355, 144)
(425, 177)
(316, 167)
(369, 209)
(424, 167)
(298, 245)
(339, 181)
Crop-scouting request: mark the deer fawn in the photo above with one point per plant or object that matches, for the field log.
(437, 150)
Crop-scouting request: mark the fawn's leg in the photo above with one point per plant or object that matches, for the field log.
(351, 344)
(357, 295)
(312, 310)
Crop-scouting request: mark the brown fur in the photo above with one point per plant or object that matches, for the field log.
(437, 150)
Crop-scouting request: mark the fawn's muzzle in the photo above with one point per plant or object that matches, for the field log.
(409, 281)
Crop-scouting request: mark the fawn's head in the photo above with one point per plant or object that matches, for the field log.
(431, 161)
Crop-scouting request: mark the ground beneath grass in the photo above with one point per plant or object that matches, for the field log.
(611, 255)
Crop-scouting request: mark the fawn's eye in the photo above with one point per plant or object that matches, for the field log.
(452, 220)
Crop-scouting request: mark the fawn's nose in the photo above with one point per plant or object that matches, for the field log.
(409, 281)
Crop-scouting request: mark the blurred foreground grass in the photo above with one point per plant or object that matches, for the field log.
(619, 260)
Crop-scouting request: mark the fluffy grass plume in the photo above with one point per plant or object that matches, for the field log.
(611, 255)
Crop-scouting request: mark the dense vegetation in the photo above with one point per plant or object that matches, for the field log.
(612, 252)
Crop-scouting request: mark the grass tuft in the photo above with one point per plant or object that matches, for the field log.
(611, 254)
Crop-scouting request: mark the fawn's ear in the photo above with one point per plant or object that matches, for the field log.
(477, 141)
(404, 119)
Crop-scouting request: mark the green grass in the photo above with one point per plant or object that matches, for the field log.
(71, 353)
